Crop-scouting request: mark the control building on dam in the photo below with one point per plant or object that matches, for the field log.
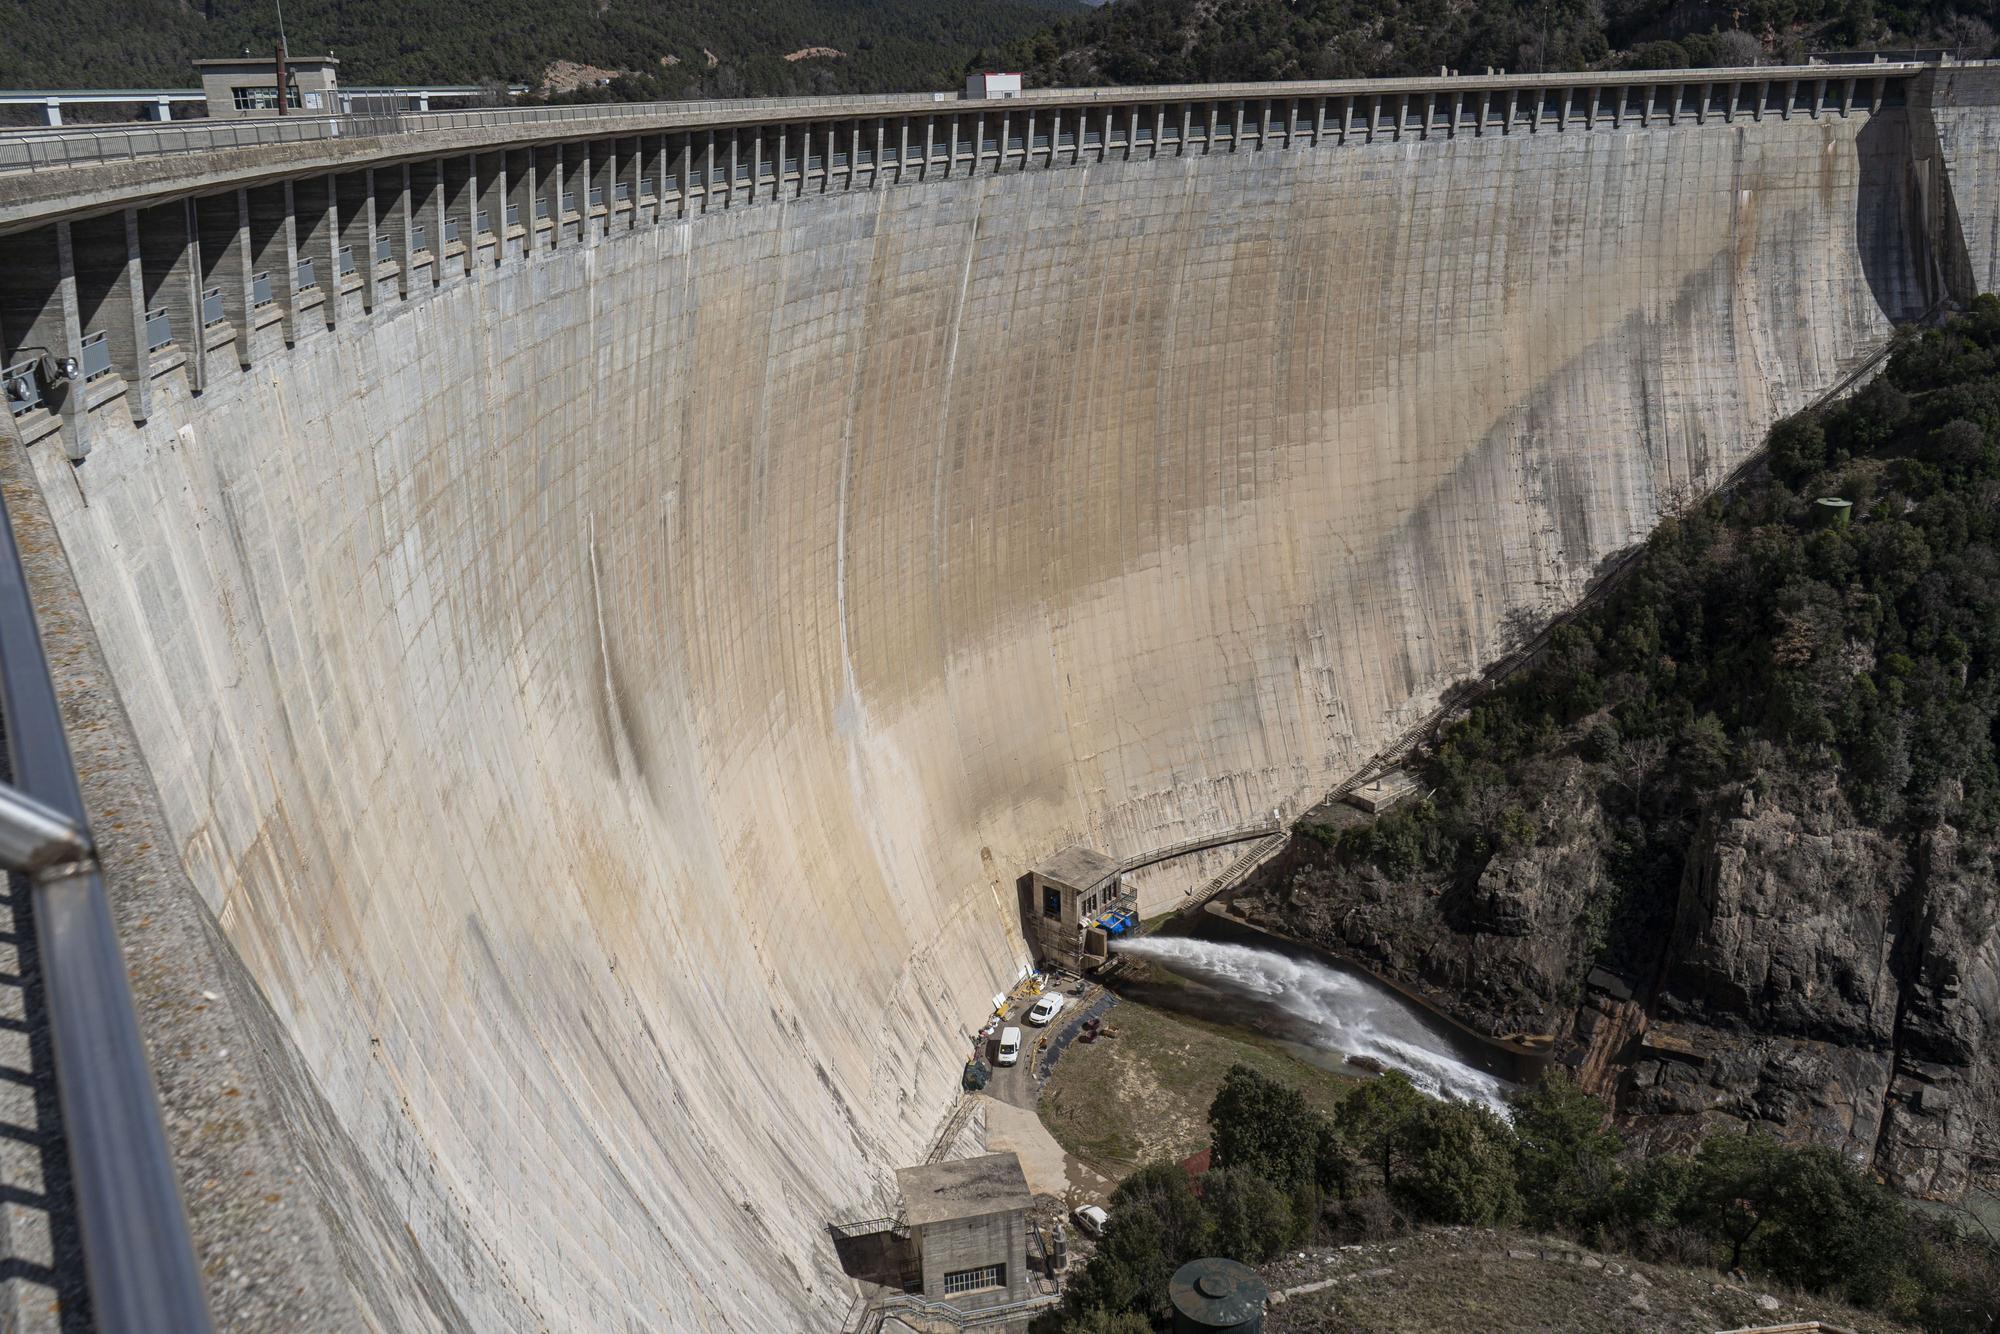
(573, 624)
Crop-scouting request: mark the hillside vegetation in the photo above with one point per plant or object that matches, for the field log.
(1758, 784)
(888, 44)
(1176, 41)
(1387, 1160)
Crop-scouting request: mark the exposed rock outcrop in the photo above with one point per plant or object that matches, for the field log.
(1821, 978)
(1786, 924)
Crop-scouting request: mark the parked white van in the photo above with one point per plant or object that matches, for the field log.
(1047, 1008)
(1010, 1046)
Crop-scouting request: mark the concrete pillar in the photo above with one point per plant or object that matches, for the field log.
(545, 229)
(707, 170)
(274, 256)
(138, 366)
(664, 164)
(1236, 134)
(315, 228)
(170, 265)
(1846, 96)
(458, 190)
(434, 214)
(51, 111)
(423, 101)
(392, 220)
(223, 234)
(600, 182)
(356, 198)
(489, 208)
(184, 298)
(625, 173)
(162, 110)
(110, 301)
(74, 405)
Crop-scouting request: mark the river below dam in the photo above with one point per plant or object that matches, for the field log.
(1328, 1014)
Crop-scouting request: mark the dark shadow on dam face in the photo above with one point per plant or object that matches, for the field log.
(1887, 217)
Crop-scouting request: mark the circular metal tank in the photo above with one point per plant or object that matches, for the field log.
(1217, 1294)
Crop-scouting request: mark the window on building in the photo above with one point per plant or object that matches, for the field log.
(1090, 905)
(972, 1280)
(1051, 902)
(264, 99)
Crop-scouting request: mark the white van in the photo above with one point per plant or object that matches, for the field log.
(1047, 1008)
(1010, 1046)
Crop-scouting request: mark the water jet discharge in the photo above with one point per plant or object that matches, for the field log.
(577, 692)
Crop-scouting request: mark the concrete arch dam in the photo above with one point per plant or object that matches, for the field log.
(586, 689)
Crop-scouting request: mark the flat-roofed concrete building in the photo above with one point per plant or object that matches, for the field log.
(1070, 890)
(241, 86)
(968, 1224)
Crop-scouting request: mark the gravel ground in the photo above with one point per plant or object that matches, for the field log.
(1482, 1279)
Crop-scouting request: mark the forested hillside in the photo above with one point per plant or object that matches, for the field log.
(884, 44)
(1173, 41)
(1755, 792)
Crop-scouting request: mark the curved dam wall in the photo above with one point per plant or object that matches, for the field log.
(607, 701)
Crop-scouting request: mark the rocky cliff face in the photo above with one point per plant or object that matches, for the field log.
(1829, 979)
(1503, 951)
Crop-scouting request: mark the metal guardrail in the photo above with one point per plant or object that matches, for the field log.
(32, 150)
(138, 1256)
(1202, 842)
(159, 330)
(213, 312)
(95, 356)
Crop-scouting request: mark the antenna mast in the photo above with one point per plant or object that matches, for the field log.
(283, 100)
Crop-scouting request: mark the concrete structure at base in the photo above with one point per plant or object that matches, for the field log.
(586, 617)
(1067, 893)
(968, 1229)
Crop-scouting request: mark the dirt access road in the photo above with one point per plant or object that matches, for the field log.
(1013, 1121)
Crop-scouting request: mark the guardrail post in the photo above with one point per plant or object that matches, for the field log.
(138, 1257)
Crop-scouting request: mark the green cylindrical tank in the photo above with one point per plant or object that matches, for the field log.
(1832, 511)
(1209, 1295)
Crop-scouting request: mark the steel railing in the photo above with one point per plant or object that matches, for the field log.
(139, 1258)
(33, 149)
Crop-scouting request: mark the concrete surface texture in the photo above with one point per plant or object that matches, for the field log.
(608, 702)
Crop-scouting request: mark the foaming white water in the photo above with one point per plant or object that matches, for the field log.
(1342, 1012)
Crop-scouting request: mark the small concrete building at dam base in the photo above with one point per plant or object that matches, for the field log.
(574, 623)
